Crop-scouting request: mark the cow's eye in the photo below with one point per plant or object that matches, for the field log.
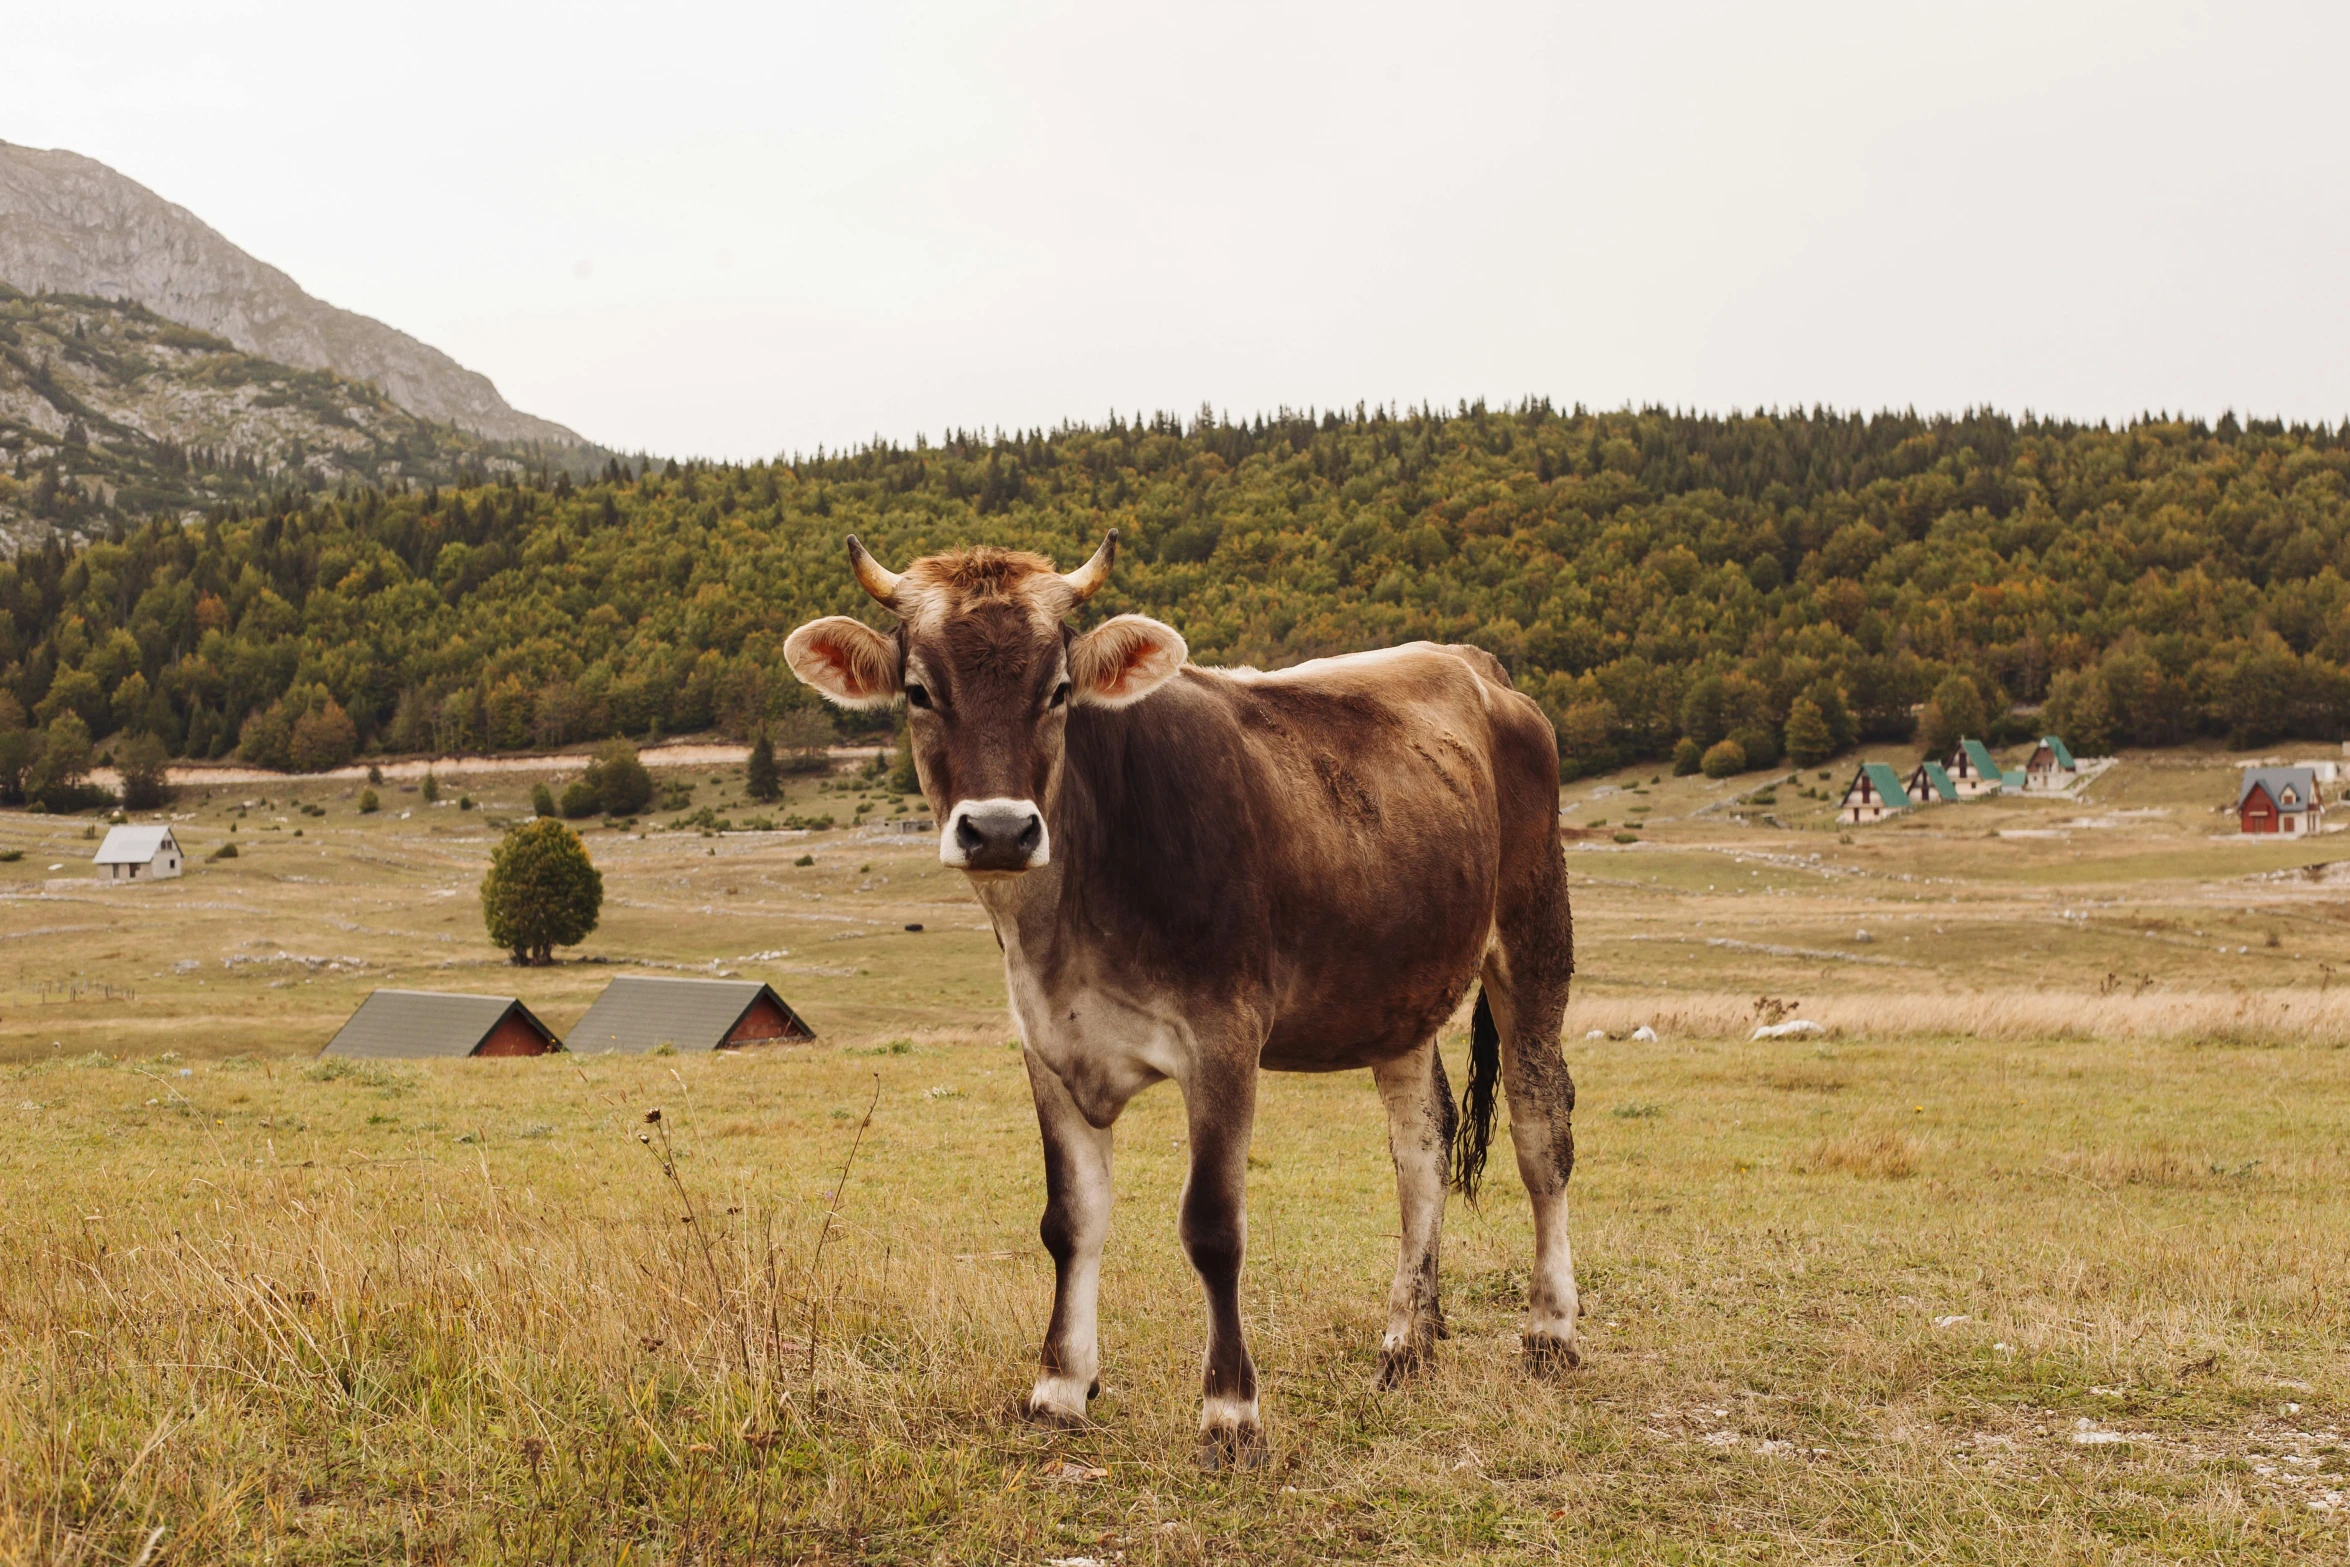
(919, 696)
(1060, 694)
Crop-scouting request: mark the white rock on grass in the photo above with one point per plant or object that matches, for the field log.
(1644, 1032)
(1800, 1025)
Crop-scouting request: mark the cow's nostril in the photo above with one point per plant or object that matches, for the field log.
(1031, 833)
(968, 835)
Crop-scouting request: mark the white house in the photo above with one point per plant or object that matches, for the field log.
(139, 854)
(1875, 793)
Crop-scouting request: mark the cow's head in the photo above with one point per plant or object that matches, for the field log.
(990, 674)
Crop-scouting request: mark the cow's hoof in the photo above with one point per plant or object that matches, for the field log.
(1549, 1355)
(1057, 1401)
(1232, 1447)
(1399, 1363)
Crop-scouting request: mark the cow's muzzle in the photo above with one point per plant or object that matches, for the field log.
(995, 835)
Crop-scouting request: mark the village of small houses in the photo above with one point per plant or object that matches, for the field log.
(750, 1166)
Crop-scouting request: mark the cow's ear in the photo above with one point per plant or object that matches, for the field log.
(1122, 661)
(845, 659)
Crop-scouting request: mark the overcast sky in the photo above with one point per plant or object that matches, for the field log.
(743, 230)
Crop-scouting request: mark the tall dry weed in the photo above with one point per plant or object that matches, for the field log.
(1873, 1155)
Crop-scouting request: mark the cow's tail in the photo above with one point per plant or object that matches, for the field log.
(1473, 1134)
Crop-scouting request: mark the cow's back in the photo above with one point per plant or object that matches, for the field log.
(1334, 837)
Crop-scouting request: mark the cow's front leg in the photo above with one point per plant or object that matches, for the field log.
(1222, 1110)
(1076, 1222)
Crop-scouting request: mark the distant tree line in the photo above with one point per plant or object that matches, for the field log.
(1670, 587)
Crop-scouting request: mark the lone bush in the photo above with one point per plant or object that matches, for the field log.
(620, 783)
(432, 787)
(542, 800)
(1723, 759)
(1688, 756)
(368, 803)
(542, 891)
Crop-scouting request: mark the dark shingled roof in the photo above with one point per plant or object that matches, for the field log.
(2274, 781)
(639, 1013)
(409, 1023)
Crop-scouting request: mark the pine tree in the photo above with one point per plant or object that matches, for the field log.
(760, 781)
(903, 779)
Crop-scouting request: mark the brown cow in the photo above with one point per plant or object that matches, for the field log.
(1196, 873)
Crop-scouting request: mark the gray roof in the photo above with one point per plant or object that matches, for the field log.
(410, 1023)
(638, 1013)
(2275, 780)
(133, 845)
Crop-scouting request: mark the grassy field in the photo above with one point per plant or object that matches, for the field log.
(2039, 1253)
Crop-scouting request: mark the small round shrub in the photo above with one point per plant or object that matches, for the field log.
(1725, 759)
(1687, 757)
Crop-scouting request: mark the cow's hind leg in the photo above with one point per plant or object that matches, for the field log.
(1420, 1125)
(1076, 1223)
(1527, 988)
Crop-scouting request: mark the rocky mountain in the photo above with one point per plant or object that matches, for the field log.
(71, 225)
(109, 414)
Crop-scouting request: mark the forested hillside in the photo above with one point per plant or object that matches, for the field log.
(1651, 577)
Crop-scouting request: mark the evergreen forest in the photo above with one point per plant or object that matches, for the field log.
(1662, 582)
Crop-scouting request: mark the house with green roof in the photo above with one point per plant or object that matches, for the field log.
(2050, 766)
(1973, 770)
(1874, 793)
(1931, 784)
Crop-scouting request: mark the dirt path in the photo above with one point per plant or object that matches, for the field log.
(691, 754)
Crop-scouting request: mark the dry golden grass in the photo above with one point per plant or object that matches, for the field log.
(457, 1312)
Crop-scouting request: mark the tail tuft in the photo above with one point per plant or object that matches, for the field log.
(1475, 1132)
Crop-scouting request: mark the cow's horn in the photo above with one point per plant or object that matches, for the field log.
(872, 575)
(1087, 579)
